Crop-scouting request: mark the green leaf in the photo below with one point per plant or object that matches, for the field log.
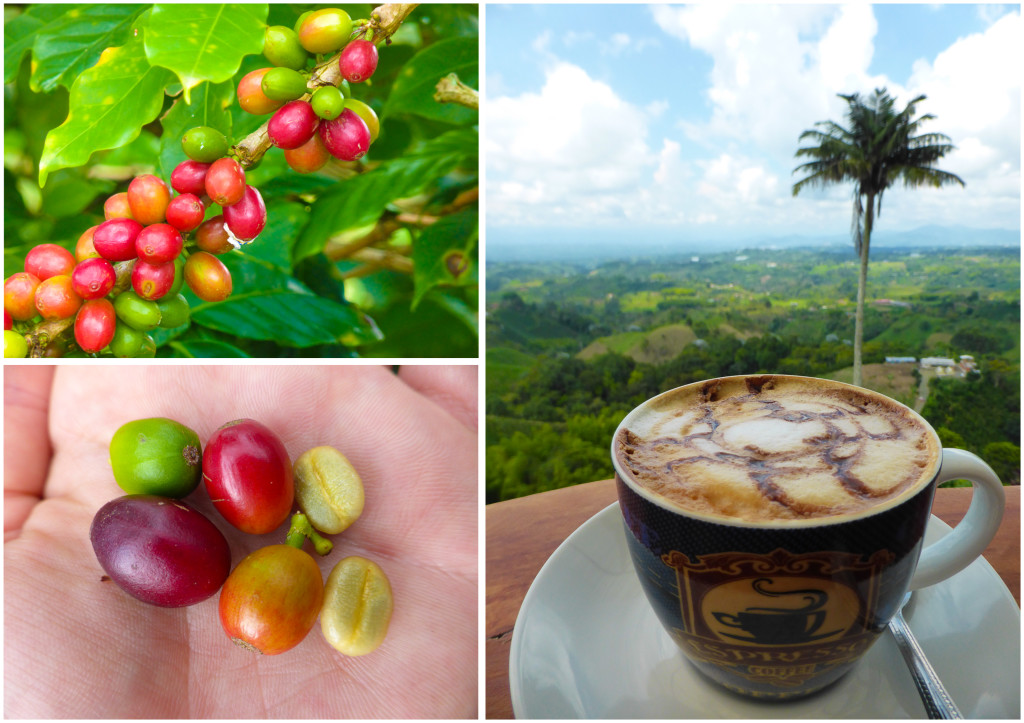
(361, 199)
(207, 106)
(274, 245)
(109, 104)
(267, 303)
(204, 42)
(68, 193)
(72, 43)
(443, 254)
(413, 91)
(21, 32)
(438, 328)
(204, 349)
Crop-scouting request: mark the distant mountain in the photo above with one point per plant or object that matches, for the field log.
(573, 244)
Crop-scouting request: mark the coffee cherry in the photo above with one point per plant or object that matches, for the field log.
(208, 278)
(56, 298)
(366, 113)
(20, 295)
(137, 312)
(114, 240)
(358, 61)
(156, 456)
(8, 321)
(185, 212)
(309, 157)
(148, 197)
(281, 47)
(292, 125)
(85, 249)
(190, 177)
(46, 260)
(204, 144)
(95, 324)
(93, 278)
(152, 281)
(174, 311)
(179, 276)
(148, 348)
(117, 206)
(327, 102)
(251, 97)
(126, 342)
(324, 31)
(15, 346)
(247, 218)
(346, 137)
(225, 182)
(283, 84)
(300, 21)
(159, 243)
(212, 235)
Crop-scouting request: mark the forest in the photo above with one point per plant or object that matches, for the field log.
(572, 348)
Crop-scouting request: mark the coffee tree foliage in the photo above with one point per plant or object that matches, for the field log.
(376, 257)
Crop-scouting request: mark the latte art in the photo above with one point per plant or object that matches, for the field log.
(775, 448)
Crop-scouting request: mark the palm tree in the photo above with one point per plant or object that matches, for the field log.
(879, 147)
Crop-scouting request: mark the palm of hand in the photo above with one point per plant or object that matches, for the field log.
(79, 647)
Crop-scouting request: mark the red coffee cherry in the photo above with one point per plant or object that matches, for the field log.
(247, 217)
(85, 249)
(159, 243)
(309, 157)
(114, 240)
(95, 325)
(225, 182)
(190, 177)
(293, 125)
(93, 278)
(117, 207)
(56, 298)
(358, 61)
(152, 281)
(212, 236)
(148, 197)
(346, 137)
(208, 278)
(251, 97)
(8, 321)
(20, 295)
(185, 212)
(46, 260)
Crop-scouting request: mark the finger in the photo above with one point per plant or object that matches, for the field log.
(452, 387)
(27, 449)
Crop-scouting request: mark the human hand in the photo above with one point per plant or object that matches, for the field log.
(76, 647)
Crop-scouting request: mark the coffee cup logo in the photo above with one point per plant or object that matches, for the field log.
(781, 625)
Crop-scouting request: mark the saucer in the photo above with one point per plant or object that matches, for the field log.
(586, 644)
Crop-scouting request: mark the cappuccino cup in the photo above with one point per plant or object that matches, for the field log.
(776, 522)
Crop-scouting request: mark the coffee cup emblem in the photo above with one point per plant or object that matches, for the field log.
(797, 618)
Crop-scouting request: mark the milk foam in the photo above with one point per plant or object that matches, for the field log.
(775, 448)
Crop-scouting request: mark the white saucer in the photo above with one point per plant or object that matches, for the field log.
(587, 645)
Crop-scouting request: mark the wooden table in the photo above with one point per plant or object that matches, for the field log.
(523, 533)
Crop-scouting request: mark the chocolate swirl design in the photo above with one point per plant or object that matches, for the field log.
(776, 450)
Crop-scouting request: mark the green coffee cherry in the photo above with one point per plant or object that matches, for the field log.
(345, 88)
(137, 312)
(281, 47)
(126, 342)
(283, 84)
(327, 102)
(204, 144)
(156, 457)
(302, 19)
(174, 311)
(15, 346)
(324, 31)
(148, 349)
(179, 276)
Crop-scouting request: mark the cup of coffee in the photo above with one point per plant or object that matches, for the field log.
(776, 522)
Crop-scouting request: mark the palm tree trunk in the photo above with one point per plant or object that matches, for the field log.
(862, 283)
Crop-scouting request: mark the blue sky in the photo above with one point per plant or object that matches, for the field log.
(628, 118)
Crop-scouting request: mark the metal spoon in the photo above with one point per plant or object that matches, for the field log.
(936, 698)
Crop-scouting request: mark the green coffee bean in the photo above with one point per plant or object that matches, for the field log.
(328, 489)
(357, 606)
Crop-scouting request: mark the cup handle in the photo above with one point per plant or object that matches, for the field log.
(969, 539)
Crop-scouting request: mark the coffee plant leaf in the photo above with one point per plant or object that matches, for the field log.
(204, 42)
(360, 200)
(445, 254)
(203, 349)
(108, 105)
(416, 83)
(21, 32)
(285, 220)
(207, 106)
(74, 41)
